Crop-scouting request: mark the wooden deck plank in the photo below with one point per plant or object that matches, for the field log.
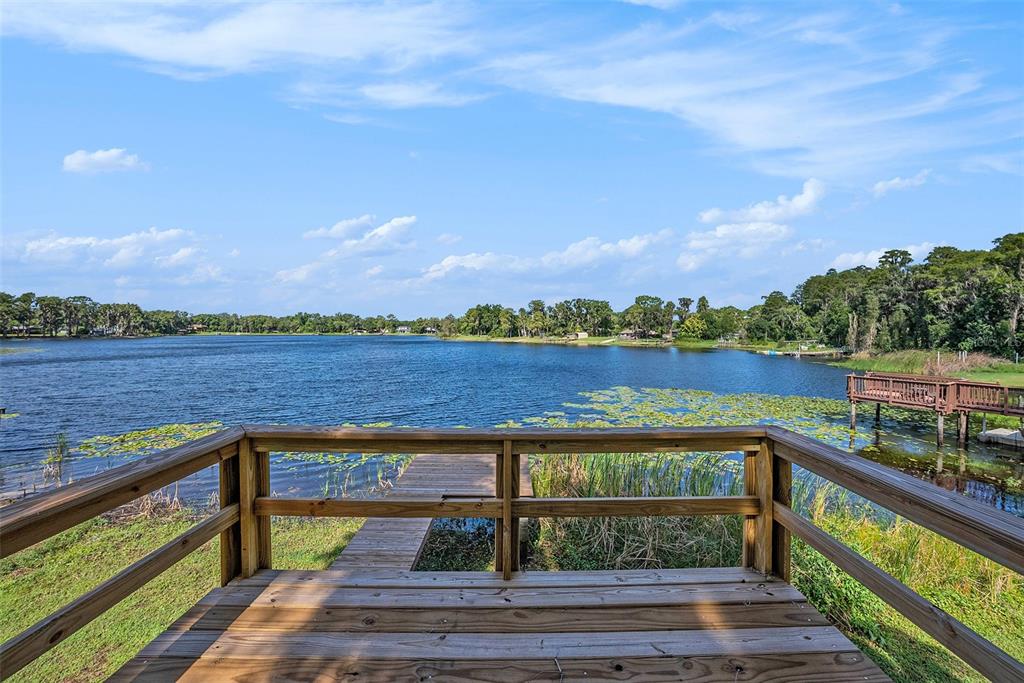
(386, 624)
(846, 667)
(390, 578)
(207, 617)
(253, 645)
(468, 598)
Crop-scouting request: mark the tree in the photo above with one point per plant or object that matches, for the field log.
(50, 310)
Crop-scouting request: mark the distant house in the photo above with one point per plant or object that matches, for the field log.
(430, 330)
(196, 327)
(403, 329)
(580, 335)
(627, 334)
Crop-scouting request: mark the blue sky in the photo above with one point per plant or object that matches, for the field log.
(420, 158)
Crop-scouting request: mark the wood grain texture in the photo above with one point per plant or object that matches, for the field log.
(390, 506)
(959, 638)
(996, 534)
(637, 506)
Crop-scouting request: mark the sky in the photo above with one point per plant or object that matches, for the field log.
(419, 158)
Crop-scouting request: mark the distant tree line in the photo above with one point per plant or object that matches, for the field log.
(969, 300)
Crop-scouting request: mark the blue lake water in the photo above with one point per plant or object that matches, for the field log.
(108, 386)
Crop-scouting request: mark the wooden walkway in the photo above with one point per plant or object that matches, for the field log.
(723, 624)
(397, 543)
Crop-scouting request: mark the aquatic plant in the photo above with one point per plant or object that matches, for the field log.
(144, 441)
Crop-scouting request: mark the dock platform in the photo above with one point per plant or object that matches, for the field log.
(397, 543)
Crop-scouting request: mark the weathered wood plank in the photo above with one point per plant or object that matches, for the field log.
(763, 522)
(813, 667)
(996, 534)
(390, 506)
(231, 536)
(782, 492)
(263, 645)
(636, 506)
(391, 578)
(959, 638)
(55, 628)
(467, 598)
(207, 617)
(40, 516)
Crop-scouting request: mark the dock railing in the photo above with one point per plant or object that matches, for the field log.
(246, 506)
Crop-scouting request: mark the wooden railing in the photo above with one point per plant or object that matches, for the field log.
(944, 395)
(243, 520)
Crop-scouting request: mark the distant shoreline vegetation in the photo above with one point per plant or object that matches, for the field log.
(965, 300)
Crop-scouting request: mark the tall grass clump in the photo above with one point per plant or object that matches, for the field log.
(636, 542)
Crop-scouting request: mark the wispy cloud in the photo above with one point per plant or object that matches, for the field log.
(743, 240)
(103, 161)
(191, 40)
(781, 209)
(125, 250)
(584, 253)
(832, 94)
(883, 187)
(386, 238)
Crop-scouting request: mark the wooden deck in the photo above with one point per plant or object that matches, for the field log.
(370, 618)
(396, 543)
(723, 624)
(376, 622)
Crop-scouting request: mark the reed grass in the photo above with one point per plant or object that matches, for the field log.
(981, 593)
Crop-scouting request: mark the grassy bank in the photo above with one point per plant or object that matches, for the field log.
(978, 366)
(41, 579)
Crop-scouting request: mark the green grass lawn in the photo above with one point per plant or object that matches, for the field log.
(41, 579)
(916, 361)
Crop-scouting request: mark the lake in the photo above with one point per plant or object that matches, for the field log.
(84, 388)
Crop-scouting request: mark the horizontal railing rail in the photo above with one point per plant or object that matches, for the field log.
(247, 506)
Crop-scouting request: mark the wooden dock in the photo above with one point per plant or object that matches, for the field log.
(397, 543)
(942, 395)
(373, 622)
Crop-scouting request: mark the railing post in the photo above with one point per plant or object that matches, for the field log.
(253, 482)
(245, 546)
(510, 524)
(499, 523)
(782, 492)
(750, 522)
(764, 487)
(230, 538)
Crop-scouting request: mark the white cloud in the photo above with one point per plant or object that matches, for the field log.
(383, 239)
(743, 240)
(582, 254)
(1010, 162)
(449, 238)
(342, 228)
(656, 4)
(126, 250)
(782, 208)
(832, 95)
(406, 95)
(183, 255)
(103, 161)
(374, 271)
(184, 40)
(882, 187)
(870, 258)
(234, 253)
